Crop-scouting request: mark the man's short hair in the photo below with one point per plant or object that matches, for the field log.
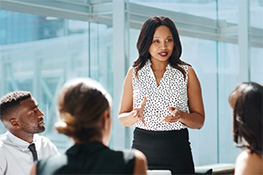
(11, 101)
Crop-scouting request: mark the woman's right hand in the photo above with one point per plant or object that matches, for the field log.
(128, 115)
(137, 113)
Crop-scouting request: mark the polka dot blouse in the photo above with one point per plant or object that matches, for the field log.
(172, 91)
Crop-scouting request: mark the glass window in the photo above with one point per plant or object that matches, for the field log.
(39, 53)
(201, 55)
(256, 53)
(204, 8)
(228, 10)
(256, 13)
(54, 50)
(228, 76)
(256, 64)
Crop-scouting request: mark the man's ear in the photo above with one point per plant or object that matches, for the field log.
(14, 122)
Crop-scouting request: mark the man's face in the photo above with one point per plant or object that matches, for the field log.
(30, 117)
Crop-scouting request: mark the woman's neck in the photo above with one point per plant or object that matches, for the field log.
(159, 65)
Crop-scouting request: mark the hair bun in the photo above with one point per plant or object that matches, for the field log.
(69, 125)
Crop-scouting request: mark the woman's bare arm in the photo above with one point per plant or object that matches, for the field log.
(128, 115)
(140, 167)
(195, 119)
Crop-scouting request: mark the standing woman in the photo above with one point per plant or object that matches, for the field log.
(162, 97)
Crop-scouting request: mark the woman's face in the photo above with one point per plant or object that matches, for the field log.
(162, 44)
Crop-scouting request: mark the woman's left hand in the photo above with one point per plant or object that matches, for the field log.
(176, 115)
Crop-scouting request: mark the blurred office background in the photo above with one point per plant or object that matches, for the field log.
(43, 43)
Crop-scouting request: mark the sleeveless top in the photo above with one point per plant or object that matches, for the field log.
(90, 158)
(172, 91)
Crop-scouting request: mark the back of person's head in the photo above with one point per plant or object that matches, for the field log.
(82, 103)
(10, 103)
(247, 103)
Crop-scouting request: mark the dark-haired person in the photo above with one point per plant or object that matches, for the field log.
(247, 103)
(21, 117)
(162, 97)
(85, 113)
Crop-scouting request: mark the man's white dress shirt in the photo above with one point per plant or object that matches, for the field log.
(16, 158)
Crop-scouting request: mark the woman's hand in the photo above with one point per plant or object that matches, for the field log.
(176, 115)
(128, 115)
(138, 112)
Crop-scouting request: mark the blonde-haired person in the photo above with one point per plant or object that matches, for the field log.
(85, 113)
(247, 103)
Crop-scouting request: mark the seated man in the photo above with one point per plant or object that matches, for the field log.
(20, 146)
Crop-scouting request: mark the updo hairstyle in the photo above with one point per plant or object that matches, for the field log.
(81, 105)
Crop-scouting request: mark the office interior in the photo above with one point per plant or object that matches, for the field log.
(44, 43)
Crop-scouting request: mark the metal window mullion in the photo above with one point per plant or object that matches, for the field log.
(120, 56)
(243, 41)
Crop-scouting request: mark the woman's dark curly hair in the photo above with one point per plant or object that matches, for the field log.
(145, 40)
(247, 103)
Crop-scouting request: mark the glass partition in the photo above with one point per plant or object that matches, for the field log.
(228, 10)
(256, 13)
(228, 76)
(256, 64)
(53, 51)
(39, 53)
(202, 56)
(204, 8)
(256, 53)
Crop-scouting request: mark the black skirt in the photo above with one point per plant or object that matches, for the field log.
(165, 150)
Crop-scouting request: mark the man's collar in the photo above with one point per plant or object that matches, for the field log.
(21, 144)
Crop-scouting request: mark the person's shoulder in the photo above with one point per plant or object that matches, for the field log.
(4, 140)
(131, 69)
(242, 157)
(41, 138)
(1, 145)
(52, 163)
(45, 143)
(184, 66)
(139, 156)
(126, 154)
(191, 72)
(140, 163)
(54, 160)
(130, 73)
(3, 137)
(247, 162)
(190, 69)
(133, 154)
(248, 157)
(2, 157)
